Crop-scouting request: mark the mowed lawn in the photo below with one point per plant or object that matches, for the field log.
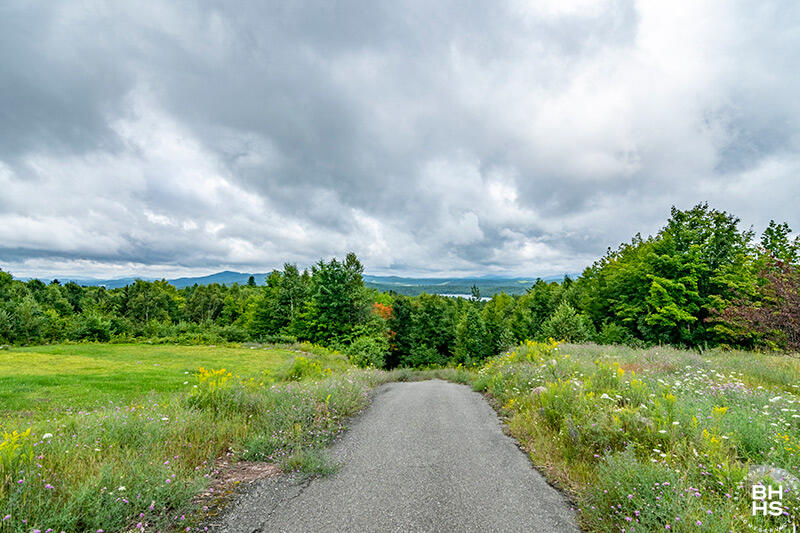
(41, 380)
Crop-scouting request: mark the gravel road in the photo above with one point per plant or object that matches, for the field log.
(426, 456)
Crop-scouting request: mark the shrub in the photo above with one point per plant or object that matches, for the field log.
(234, 334)
(614, 334)
(91, 327)
(567, 324)
(425, 356)
(368, 352)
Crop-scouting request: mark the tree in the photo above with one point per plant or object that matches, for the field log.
(251, 281)
(568, 325)
(497, 315)
(777, 242)
(292, 292)
(475, 293)
(771, 317)
(204, 303)
(664, 288)
(151, 301)
(401, 328)
(338, 303)
(470, 342)
(29, 319)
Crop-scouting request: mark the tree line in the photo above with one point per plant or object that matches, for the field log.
(699, 282)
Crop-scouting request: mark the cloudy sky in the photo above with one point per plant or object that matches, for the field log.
(431, 138)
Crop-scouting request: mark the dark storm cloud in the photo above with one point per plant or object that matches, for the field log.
(522, 137)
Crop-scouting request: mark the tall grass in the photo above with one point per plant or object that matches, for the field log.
(655, 439)
(139, 465)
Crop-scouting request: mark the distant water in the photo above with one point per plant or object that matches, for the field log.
(483, 298)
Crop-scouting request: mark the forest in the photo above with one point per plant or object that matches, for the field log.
(700, 282)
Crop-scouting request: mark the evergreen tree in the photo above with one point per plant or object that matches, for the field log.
(470, 342)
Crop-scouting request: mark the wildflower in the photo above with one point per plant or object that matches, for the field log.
(48, 486)
(47, 436)
(699, 523)
(6, 517)
(121, 488)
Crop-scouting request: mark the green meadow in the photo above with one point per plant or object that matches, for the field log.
(46, 379)
(125, 437)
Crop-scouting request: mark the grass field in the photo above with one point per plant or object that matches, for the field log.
(51, 378)
(657, 439)
(123, 437)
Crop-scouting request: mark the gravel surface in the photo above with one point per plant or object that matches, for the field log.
(426, 456)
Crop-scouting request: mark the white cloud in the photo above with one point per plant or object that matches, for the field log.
(520, 138)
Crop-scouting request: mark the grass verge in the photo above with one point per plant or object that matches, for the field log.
(654, 440)
(138, 462)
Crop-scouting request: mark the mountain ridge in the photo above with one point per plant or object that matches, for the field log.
(487, 284)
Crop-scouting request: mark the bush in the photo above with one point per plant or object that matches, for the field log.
(91, 327)
(234, 334)
(425, 356)
(368, 352)
(614, 334)
(568, 325)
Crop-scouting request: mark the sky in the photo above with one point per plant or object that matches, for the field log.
(441, 138)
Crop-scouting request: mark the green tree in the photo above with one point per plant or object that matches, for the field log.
(777, 241)
(568, 325)
(497, 314)
(338, 302)
(470, 342)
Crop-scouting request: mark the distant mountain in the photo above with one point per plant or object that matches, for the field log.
(409, 286)
(454, 286)
(227, 278)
